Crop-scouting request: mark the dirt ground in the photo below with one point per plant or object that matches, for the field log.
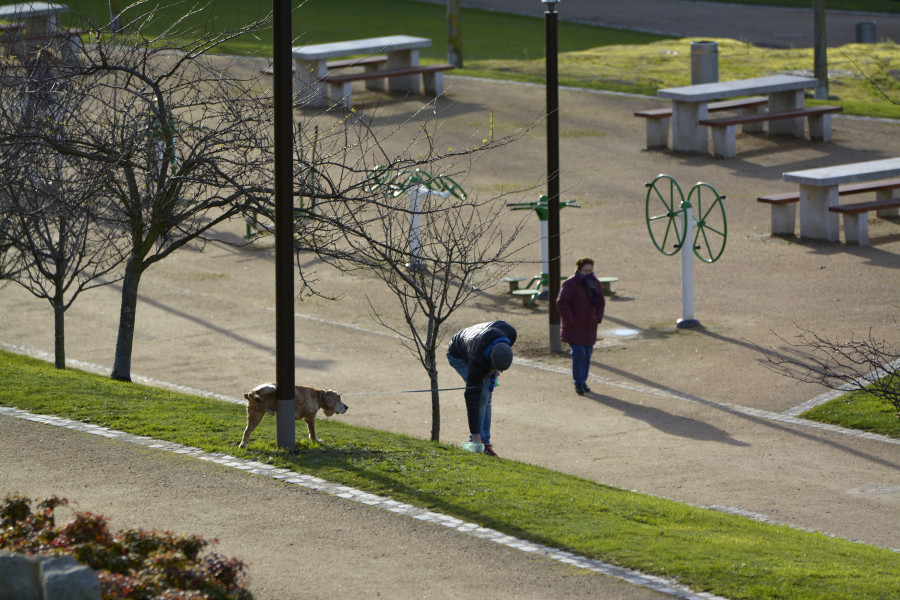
(691, 415)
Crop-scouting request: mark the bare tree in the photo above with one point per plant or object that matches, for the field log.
(180, 138)
(854, 366)
(433, 246)
(56, 248)
(51, 242)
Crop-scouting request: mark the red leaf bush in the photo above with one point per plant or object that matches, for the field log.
(132, 564)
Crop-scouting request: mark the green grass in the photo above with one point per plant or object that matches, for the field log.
(707, 550)
(864, 76)
(859, 411)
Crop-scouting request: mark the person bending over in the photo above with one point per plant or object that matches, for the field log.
(479, 354)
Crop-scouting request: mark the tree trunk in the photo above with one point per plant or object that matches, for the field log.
(454, 35)
(59, 329)
(122, 367)
(59, 301)
(435, 395)
(820, 53)
(435, 408)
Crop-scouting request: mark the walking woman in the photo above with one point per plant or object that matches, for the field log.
(581, 305)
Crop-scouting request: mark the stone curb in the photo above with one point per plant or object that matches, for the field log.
(652, 582)
(37, 577)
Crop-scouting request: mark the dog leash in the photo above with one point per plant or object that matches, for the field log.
(404, 392)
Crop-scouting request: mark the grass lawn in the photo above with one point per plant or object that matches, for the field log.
(709, 551)
(860, 411)
(863, 77)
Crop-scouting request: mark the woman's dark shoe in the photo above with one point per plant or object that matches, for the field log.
(586, 388)
(580, 390)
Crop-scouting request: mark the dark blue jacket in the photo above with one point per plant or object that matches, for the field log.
(470, 344)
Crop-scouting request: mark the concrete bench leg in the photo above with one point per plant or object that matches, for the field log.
(816, 221)
(340, 94)
(373, 84)
(884, 196)
(856, 229)
(658, 133)
(784, 217)
(723, 141)
(433, 83)
(820, 127)
(753, 127)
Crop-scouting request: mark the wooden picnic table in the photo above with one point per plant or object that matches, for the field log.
(310, 64)
(819, 191)
(689, 106)
(39, 17)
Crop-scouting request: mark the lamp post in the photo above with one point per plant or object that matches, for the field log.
(552, 169)
(285, 432)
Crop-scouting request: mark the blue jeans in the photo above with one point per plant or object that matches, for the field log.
(581, 362)
(484, 407)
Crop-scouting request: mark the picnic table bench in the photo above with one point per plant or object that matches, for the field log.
(432, 80)
(367, 62)
(784, 206)
(690, 106)
(529, 294)
(658, 119)
(35, 17)
(33, 26)
(819, 191)
(402, 69)
(723, 133)
(856, 218)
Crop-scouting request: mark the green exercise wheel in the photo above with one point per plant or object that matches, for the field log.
(666, 219)
(710, 225)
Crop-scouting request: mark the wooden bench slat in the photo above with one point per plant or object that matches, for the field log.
(861, 207)
(856, 221)
(347, 77)
(785, 198)
(368, 61)
(379, 59)
(787, 114)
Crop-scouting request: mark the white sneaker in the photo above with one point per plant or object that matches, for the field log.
(473, 447)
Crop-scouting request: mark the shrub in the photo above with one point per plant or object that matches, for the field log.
(132, 564)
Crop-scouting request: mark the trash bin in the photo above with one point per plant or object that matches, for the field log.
(704, 62)
(865, 33)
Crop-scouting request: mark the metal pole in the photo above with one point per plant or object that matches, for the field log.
(553, 172)
(284, 224)
(687, 320)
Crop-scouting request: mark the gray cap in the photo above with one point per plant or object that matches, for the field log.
(501, 356)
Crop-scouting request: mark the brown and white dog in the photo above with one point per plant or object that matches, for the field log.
(307, 402)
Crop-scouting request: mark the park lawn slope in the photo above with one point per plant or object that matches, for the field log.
(709, 551)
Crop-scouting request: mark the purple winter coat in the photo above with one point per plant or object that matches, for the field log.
(579, 318)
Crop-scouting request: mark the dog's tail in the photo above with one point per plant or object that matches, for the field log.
(256, 393)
